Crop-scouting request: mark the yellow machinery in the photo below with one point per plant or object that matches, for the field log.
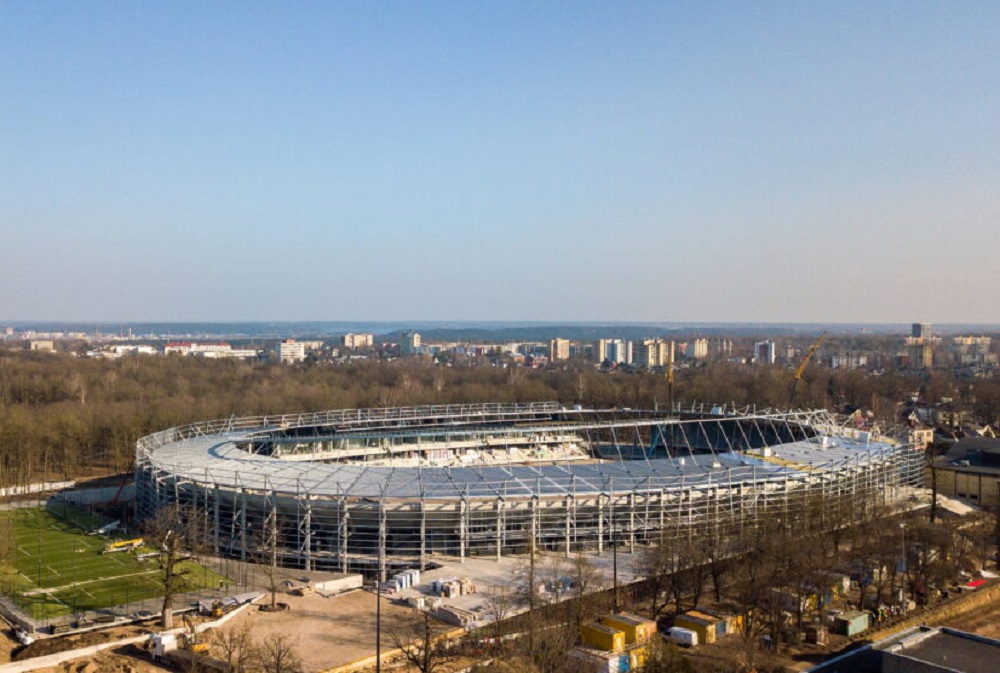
(802, 367)
(192, 640)
(123, 545)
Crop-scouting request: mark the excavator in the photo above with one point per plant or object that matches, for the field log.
(802, 368)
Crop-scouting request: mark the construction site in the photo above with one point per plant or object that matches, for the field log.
(380, 490)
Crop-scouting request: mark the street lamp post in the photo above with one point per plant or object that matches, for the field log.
(906, 565)
(614, 556)
(378, 626)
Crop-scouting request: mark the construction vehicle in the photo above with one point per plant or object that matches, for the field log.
(192, 639)
(123, 545)
(802, 367)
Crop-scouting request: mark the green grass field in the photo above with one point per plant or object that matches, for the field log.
(60, 570)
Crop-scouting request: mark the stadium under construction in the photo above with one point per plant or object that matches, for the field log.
(376, 489)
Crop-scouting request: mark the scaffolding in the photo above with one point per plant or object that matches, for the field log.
(373, 490)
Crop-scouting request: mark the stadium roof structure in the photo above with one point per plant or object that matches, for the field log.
(351, 488)
(223, 459)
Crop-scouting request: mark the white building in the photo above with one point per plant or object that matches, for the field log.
(291, 351)
(848, 361)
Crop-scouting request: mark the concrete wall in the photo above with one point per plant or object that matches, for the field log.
(28, 489)
(340, 584)
(52, 660)
(93, 496)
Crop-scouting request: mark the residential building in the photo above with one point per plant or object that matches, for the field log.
(356, 341)
(848, 361)
(973, 351)
(558, 349)
(213, 349)
(619, 352)
(410, 343)
(697, 349)
(764, 352)
(291, 351)
(721, 348)
(921, 355)
(921, 330)
(653, 353)
(219, 349)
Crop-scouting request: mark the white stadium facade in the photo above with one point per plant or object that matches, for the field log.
(373, 490)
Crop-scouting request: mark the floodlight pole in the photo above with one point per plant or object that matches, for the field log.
(906, 565)
(614, 556)
(378, 626)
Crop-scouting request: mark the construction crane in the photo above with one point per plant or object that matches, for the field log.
(802, 367)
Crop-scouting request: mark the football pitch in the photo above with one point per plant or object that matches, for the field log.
(58, 569)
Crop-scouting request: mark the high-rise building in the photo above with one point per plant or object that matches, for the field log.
(601, 350)
(921, 355)
(764, 352)
(721, 348)
(619, 352)
(355, 341)
(410, 344)
(921, 330)
(653, 353)
(697, 349)
(559, 349)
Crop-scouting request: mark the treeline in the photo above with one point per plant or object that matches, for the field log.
(66, 417)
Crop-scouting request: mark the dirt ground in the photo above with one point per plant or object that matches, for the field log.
(333, 631)
(326, 632)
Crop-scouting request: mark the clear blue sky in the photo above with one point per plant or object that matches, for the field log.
(702, 161)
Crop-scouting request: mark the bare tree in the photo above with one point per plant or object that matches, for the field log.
(586, 579)
(501, 599)
(264, 552)
(177, 533)
(235, 642)
(276, 654)
(422, 645)
(673, 569)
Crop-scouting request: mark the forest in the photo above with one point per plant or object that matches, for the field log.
(69, 417)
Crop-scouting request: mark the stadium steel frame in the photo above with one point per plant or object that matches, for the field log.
(328, 492)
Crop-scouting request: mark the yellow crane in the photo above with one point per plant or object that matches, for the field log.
(802, 367)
